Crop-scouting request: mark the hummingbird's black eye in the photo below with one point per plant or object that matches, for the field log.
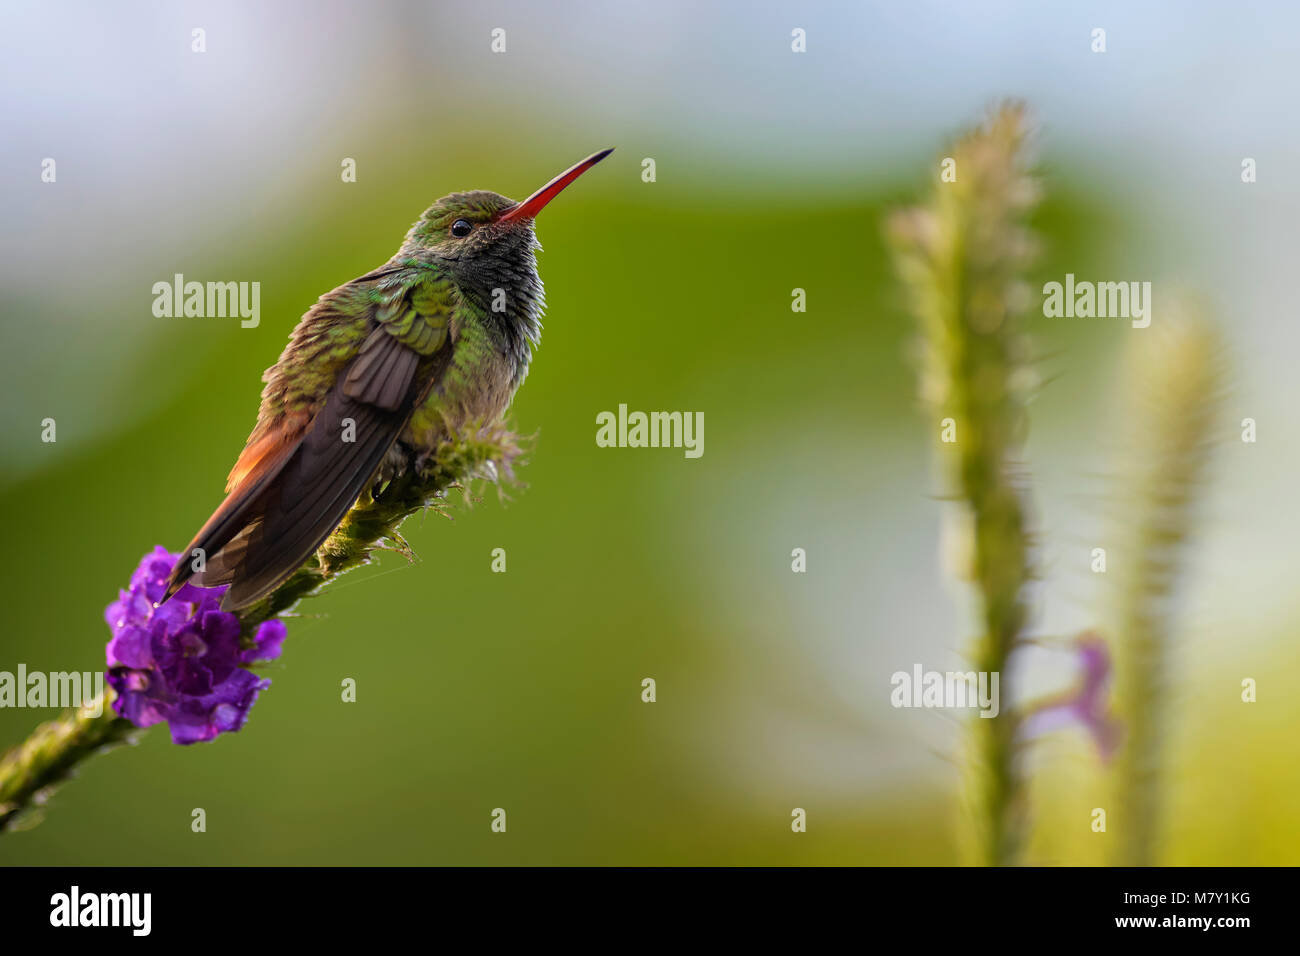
(461, 228)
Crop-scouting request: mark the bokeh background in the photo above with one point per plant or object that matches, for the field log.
(522, 690)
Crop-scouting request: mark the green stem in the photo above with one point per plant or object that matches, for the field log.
(1175, 381)
(961, 259)
(54, 749)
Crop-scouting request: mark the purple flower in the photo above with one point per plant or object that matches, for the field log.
(1086, 704)
(180, 662)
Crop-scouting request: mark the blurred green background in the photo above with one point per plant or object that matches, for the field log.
(522, 690)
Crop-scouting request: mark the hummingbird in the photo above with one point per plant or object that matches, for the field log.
(376, 375)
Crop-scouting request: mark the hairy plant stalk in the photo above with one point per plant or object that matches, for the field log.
(1174, 390)
(52, 752)
(960, 258)
(54, 749)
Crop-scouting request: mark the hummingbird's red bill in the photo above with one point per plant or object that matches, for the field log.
(530, 207)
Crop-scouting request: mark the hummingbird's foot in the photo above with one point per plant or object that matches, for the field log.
(395, 463)
(420, 463)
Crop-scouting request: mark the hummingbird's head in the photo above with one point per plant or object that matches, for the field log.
(467, 227)
(486, 243)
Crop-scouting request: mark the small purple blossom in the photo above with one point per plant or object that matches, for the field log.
(180, 662)
(1086, 704)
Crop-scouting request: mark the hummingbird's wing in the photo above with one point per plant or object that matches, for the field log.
(294, 483)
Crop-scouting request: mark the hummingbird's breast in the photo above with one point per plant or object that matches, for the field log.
(475, 390)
